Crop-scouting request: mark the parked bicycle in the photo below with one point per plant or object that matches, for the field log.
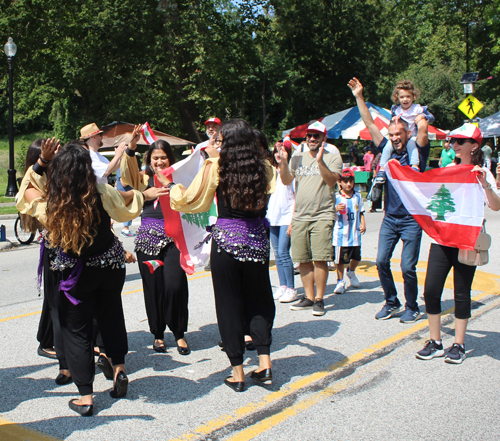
(24, 235)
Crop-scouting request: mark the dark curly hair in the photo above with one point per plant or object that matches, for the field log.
(72, 213)
(242, 169)
(162, 145)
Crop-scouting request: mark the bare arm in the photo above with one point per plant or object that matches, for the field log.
(114, 164)
(357, 90)
(282, 160)
(362, 226)
(422, 134)
(328, 176)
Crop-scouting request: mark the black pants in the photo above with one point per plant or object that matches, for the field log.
(243, 300)
(441, 260)
(165, 292)
(100, 291)
(45, 334)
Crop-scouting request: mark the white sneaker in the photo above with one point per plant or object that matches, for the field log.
(340, 288)
(289, 296)
(353, 280)
(279, 292)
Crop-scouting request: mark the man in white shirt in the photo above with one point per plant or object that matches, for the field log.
(92, 135)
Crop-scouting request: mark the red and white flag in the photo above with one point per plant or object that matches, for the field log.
(448, 203)
(147, 134)
(187, 230)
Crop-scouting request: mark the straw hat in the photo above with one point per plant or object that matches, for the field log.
(89, 130)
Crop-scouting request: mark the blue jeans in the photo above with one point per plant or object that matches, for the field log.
(281, 246)
(407, 229)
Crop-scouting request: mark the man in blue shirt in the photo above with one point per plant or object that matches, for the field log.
(398, 223)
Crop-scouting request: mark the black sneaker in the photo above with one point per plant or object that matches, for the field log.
(305, 303)
(455, 355)
(319, 307)
(431, 350)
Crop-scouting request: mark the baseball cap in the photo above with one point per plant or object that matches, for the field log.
(316, 126)
(347, 173)
(470, 131)
(213, 120)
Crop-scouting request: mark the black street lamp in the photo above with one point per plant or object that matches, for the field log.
(10, 49)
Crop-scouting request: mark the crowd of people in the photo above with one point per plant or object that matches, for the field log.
(301, 202)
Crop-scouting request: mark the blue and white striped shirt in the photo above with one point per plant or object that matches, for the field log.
(346, 230)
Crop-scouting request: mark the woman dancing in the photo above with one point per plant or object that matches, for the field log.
(90, 259)
(467, 144)
(241, 179)
(166, 289)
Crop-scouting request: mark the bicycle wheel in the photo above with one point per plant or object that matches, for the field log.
(24, 237)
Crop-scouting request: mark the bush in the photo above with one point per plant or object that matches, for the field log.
(21, 157)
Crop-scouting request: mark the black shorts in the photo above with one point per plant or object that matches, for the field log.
(348, 253)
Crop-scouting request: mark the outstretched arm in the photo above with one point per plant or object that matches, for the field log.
(357, 90)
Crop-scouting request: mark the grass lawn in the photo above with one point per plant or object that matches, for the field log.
(19, 141)
(8, 210)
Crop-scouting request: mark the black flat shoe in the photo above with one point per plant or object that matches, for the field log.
(83, 409)
(105, 366)
(237, 386)
(250, 346)
(159, 348)
(121, 386)
(264, 377)
(62, 379)
(183, 350)
(43, 353)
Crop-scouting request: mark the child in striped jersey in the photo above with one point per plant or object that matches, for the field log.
(349, 226)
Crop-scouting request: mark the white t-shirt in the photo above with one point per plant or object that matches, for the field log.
(281, 203)
(100, 165)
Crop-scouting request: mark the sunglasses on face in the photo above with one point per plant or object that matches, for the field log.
(314, 135)
(461, 141)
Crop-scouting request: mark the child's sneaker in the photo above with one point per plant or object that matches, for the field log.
(279, 292)
(340, 288)
(289, 296)
(431, 350)
(127, 233)
(455, 355)
(353, 280)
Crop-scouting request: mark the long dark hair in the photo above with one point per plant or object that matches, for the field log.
(72, 213)
(29, 223)
(161, 145)
(242, 169)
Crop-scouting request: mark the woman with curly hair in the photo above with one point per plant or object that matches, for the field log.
(166, 289)
(89, 258)
(241, 179)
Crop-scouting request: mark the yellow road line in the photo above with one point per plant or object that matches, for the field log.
(20, 316)
(12, 432)
(303, 383)
(272, 421)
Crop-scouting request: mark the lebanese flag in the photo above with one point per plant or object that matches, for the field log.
(187, 230)
(147, 134)
(448, 203)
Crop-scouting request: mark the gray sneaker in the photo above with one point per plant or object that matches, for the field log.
(431, 350)
(319, 307)
(305, 303)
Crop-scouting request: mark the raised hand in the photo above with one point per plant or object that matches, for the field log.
(321, 151)
(161, 177)
(120, 150)
(136, 133)
(356, 87)
(282, 155)
(49, 148)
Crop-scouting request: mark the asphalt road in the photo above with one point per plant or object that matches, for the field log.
(340, 376)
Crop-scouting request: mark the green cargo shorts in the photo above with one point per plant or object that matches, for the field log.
(312, 241)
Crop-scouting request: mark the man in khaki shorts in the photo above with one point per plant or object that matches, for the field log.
(316, 172)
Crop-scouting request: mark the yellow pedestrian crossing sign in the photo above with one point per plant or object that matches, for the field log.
(470, 106)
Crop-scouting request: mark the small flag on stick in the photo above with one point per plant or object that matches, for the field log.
(148, 134)
(153, 265)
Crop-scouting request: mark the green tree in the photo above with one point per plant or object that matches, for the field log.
(441, 203)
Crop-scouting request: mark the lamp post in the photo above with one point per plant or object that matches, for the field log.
(10, 49)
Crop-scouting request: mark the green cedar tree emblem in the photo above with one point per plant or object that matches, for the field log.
(441, 203)
(198, 219)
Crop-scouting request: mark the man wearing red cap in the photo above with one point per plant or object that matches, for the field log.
(212, 126)
(316, 172)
